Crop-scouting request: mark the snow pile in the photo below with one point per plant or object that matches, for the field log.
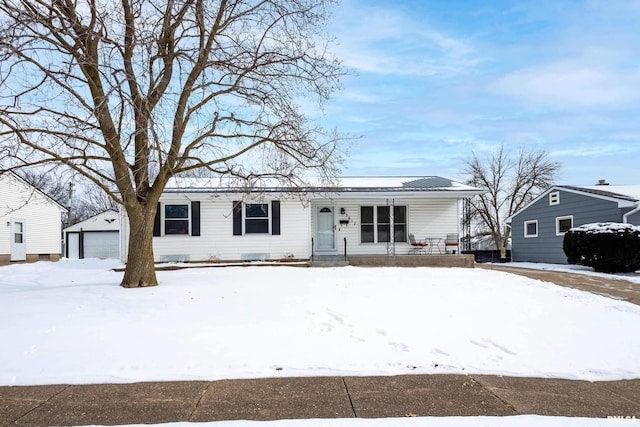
(607, 227)
(71, 322)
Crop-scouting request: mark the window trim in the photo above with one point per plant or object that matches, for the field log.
(246, 218)
(274, 217)
(164, 219)
(554, 198)
(369, 224)
(392, 224)
(526, 223)
(560, 218)
(380, 225)
(405, 223)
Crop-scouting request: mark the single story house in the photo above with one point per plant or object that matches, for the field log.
(30, 222)
(537, 230)
(206, 220)
(95, 237)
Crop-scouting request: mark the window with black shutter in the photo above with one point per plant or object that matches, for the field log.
(177, 219)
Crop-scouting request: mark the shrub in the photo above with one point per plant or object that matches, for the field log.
(608, 247)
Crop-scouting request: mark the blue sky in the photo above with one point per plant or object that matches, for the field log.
(435, 81)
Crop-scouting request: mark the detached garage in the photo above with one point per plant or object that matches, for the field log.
(95, 237)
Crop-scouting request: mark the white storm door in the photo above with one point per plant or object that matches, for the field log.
(73, 245)
(18, 240)
(325, 230)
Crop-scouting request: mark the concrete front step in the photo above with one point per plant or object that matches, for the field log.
(329, 261)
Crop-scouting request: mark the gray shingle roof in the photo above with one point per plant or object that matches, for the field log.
(428, 182)
(599, 192)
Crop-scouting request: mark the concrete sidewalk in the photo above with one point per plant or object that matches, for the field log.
(612, 287)
(315, 397)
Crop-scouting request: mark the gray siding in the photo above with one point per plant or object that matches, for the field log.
(547, 247)
(634, 218)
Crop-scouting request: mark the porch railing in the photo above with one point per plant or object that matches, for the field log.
(345, 249)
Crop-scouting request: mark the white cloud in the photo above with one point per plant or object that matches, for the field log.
(360, 97)
(570, 84)
(386, 41)
(594, 150)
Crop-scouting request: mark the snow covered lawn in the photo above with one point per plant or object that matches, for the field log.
(70, 322)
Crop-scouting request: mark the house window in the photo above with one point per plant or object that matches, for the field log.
(256, 218)
(554, 198)
(563, 224)
(531, 228)
(179, 218)
(400, 223)
(176, 219)
(376, 224)
(18, 232)
(384, 224)
(366, 224)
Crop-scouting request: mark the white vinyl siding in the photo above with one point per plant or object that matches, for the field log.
(217, 242)
(41, 216)
(426, 217)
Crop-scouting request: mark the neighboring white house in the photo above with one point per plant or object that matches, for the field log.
(95, 237)
(202, 220)
(30, 222)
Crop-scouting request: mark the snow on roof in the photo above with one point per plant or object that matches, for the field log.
(624, 192)
(345, 184)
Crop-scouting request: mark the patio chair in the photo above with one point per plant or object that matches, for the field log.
(417, 246)
(451, 243)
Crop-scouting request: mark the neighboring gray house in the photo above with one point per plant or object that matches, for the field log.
(537, 230)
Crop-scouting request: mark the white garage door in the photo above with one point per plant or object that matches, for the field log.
(103, 244)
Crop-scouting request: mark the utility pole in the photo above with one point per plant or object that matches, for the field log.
(69, 219)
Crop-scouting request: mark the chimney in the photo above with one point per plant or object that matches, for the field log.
(602, 182)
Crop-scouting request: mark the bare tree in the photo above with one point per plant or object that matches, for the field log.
(510, 182)
(49, 182)
(83, 199)
(131, 93)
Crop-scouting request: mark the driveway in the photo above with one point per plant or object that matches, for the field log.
(612, 288)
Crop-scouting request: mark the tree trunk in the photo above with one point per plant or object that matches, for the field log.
(140, 269)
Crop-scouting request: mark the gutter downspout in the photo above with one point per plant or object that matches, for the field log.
(625, 217)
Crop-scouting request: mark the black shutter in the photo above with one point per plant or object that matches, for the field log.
(237, 218)
(195, 218)
(275, 217)
(156, 221)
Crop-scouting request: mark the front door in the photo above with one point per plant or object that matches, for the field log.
(18, 240)
(325, 229)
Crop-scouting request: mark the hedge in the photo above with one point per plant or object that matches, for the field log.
(608, 247)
